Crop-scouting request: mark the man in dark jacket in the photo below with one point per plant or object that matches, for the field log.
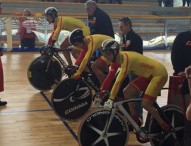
(99, 21)
(131, 41)
(180, 56)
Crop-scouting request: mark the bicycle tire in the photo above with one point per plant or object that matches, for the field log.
(41, 78)
(91, 128)
(176, 117)
(71, 99)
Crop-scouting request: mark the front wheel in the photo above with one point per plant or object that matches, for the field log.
(176, 118)
(71, 99)
(91, 130)
(44, 73)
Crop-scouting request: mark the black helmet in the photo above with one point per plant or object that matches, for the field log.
(52, 11)
(76, 36)
(110, 45)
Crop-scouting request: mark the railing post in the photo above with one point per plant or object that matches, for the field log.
(45, 32)
(9, 34)
(0, 7)
(165, 33)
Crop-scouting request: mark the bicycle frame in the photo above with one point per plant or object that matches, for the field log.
(57, 56)
(90, 82)
(60, 59)
(137, 128)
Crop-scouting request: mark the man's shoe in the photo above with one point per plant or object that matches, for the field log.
(2, 103)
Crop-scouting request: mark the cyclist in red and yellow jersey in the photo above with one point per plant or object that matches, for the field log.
(63, 23)
(88, 45)
(152, 76)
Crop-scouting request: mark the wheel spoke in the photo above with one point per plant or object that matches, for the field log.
(96, 129)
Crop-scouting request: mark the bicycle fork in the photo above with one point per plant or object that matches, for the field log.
(138, 129)
(109, 120)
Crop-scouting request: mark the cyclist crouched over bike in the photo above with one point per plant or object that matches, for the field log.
(64, 23)
(88, 46)
(152, 76)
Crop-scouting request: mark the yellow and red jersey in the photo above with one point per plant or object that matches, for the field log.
(94, 42)
(140, 65)
(69, 24)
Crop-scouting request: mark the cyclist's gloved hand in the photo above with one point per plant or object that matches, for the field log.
(76, 76)
(108, 104)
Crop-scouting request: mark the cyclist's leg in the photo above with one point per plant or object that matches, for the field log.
(130, 92)
(74, 51)
(65, 44)
(138, 105)
(150, 96)
(99, 67)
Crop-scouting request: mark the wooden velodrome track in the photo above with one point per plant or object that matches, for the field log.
(28, 120)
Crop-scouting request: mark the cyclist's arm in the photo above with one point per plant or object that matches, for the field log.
(121, 76)
(58, 29)
(85, 59)
(81, 56)
(110, 77)
(50, 39)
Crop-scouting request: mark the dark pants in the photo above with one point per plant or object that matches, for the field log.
(160, 2)
(186, 1)
(28, 43)
(118, 1)
(168, 3)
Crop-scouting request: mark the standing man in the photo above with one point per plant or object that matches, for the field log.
(131, 41)
(180, 56)
(99, 22)
(26, 27)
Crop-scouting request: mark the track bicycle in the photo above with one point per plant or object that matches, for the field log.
(71, 98)
(47, 70)
(102, 127)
